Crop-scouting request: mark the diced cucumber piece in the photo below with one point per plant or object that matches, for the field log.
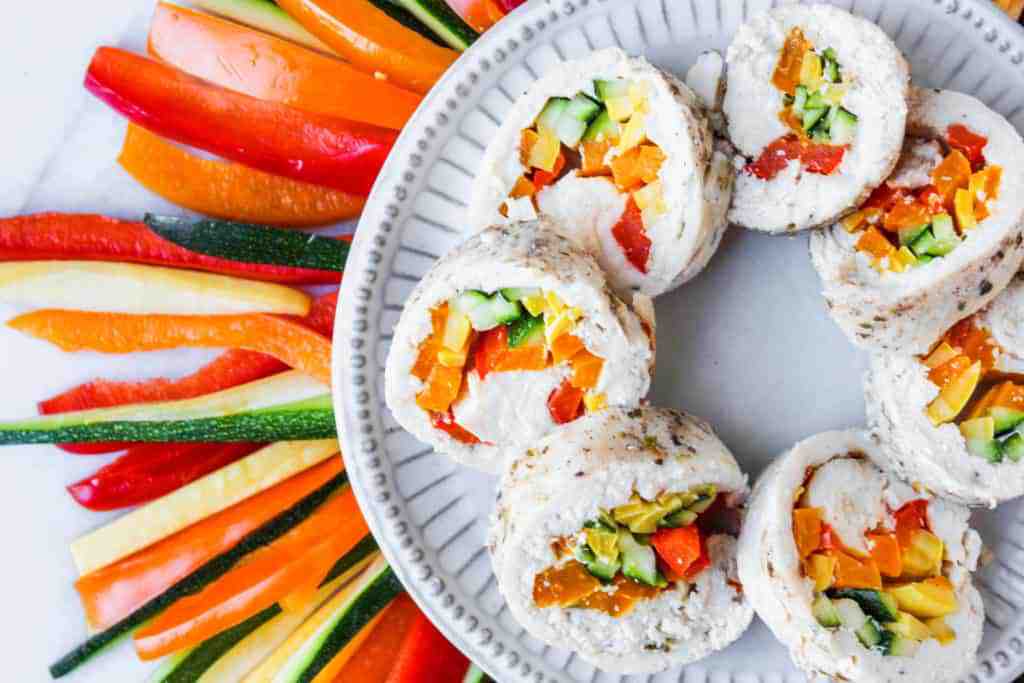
(825, 612)
(816, 101)
(527, 330)
(870, 634)
(638, 561)
(812, 116)
(1013, 447)
(909, 235)
(990, 449)
(820, 132)
(831, 71)
(486, 312)
(850, 614)
(606, 89)
(582, 108)
(945, 235)
(606, 520)
(552, 111)
(830, 55)
(601, 128)
(679, 518)
(570, 130)
(800, 100)
(878, 604)
(924, 243)
(705, 497)
(601, 568)
(517, 293)
(922, 259)
(1005, 418)
(900, 646)
(468, 300)
(844, 127)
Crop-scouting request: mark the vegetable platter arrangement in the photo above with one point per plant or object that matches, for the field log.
(228, 544)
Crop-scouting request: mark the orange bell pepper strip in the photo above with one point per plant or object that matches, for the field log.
(885, 551)
(267, 67)
(290, 342)
(224, 189)
(372, 41)
(310, 548)
(807, 524)
(373, 661)
(115, 591)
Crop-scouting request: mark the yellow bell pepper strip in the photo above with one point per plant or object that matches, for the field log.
(273, 69)
(372, 41)
(224, 189)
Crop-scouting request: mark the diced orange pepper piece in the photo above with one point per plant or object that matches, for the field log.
(787, 71)
(563, 586)
(974, 342)
(885, 551)
(1007, 395)
(793, 122)
(906, 213)
(952, 174)
(523, 188)
(875, 243)
(586, 370)
(593, 158)
(427, 357)
(527, 139)
(948, 371)
(620, 602)
(565, 347)
(442, 389)
(852, 572)
(636, 167)
(807, 530)
(528, 357)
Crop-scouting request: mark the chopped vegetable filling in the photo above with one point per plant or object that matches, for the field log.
(630, 553)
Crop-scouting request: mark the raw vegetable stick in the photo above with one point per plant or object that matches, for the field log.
(309, 549)
(373, 662)
(269, 68)
(202, 498)
(148, 471)
(90, 237)
(112, 593)
(427, 655)
(270, 136)
(108, 287)
(290, 342)
(373, 41)
(266, 16)
(228, 190)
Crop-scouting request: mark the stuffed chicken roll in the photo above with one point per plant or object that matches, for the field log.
(615, 537)
(619, 154)
(952, 420)
(510, 334)
(817, 103)
(859, 576)
(939, 239)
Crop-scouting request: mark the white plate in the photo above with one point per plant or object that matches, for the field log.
(747, 344)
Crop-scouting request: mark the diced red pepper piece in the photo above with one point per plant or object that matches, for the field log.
(542, 178)
(447, 424)
(489, 348)
(970, 143)
(565, 403)
(775, 157)
(884, 197)
(909, 518)
(148, 471)
(89, 237)
(931, 198)
(822, 159)
(269, 136)
(679, 548)
(701, 563)
(907, 213)
(427, 656)
(630, 234)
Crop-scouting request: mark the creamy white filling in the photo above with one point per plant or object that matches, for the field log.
(508, 406)
(849, 492)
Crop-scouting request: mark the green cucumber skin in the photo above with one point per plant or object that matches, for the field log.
(196, 663)
(252, 243)
(291, 425)
(201, 577)
(375, 597)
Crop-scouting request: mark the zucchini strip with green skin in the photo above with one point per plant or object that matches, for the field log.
(265, 16)
(435, 20)
(289, 406)
(252, 243)
(201, 577)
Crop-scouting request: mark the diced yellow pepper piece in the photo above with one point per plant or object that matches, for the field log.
(632, 134)
(906, 257)
(648, 196)
(963, 207)
(909, 626)
(821, 568)
(855, 221)
(923, 557)
(979, 428)
(810, 71)
(638, 96)
(575, 313)
(554, 302)
(954, 396)
(835, 93)
(594, 402)
(942, 354)
(544, 152)
(619, 108)
(926, 599)
(940, 630)
(536, 304)
(452, 359)
(558, 325)
(456, 331)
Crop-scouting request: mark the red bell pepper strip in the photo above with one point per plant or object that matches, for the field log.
(630, 234)
(565, 403)
(321, 314)
(268, 136)
(375, 658)
(89, 237)
(113, 592)
(148, 471)
(310, 548)
(426, 655)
